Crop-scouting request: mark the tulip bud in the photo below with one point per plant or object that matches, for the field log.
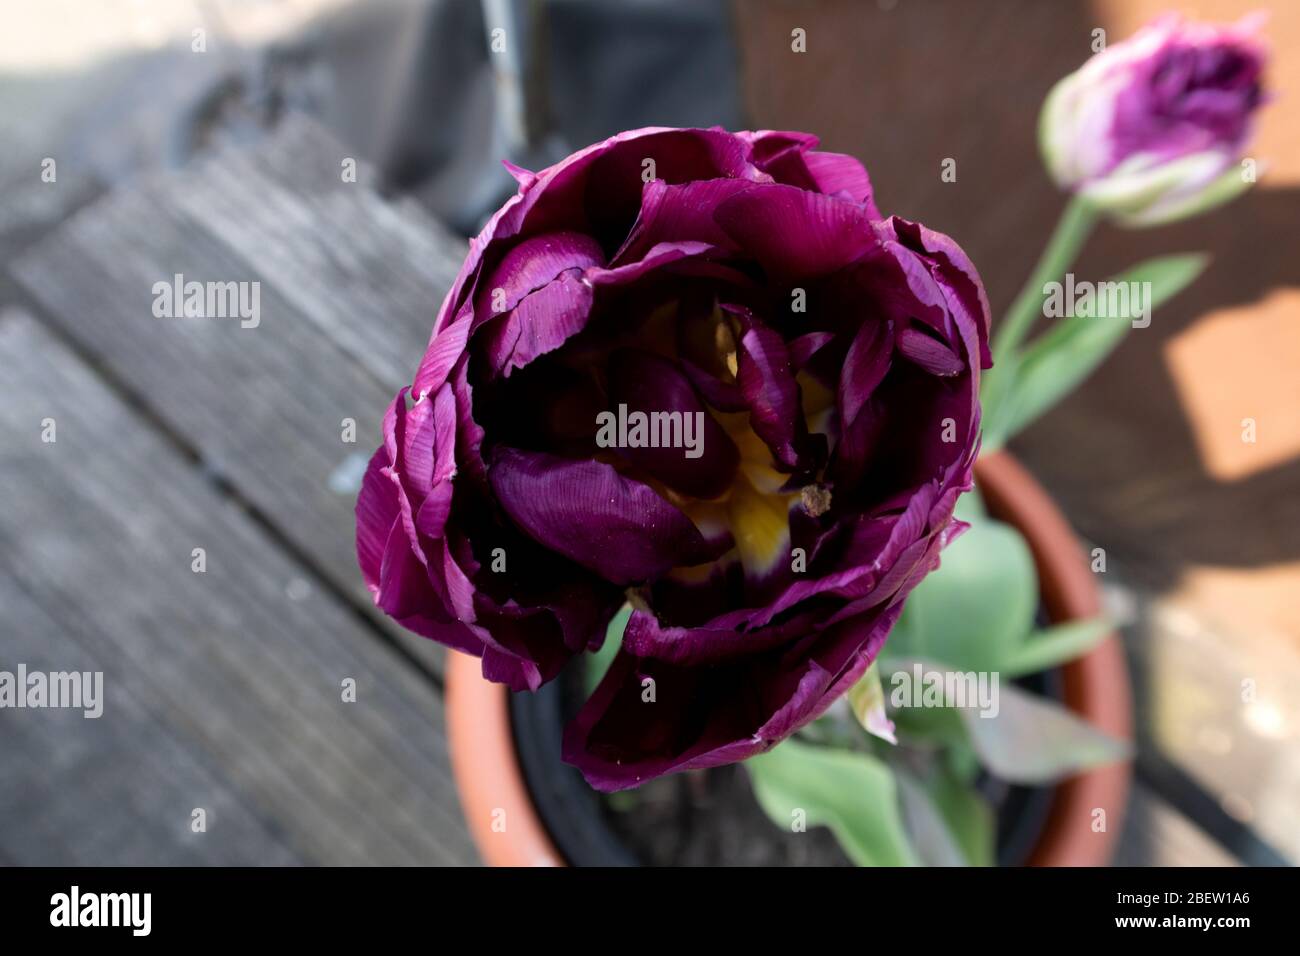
(1152, 129)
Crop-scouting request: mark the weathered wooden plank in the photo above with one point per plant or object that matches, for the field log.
(264, 406)
(119, 789)
(240, 665)
(369, 272)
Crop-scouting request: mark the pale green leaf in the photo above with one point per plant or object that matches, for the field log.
(850, 792)
(979, 604)
(1055, 645)
(1056, 362)
(915, 724)
(950, 823)
(597, 663)
(1036, 741)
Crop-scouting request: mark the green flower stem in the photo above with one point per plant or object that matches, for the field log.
(1071, 233)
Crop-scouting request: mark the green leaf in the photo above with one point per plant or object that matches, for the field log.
(623, 801)
(929, 726)
(1060, 359)
(867, 700)
(1056, 645)
(977, 607)
(1033, 740)
(924, 713)
(970, 507)
(598, 662)
(949, 822)
(918, 726)
(961, 760)
(852, 793)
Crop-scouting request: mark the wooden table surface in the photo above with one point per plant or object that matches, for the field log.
(225, 689)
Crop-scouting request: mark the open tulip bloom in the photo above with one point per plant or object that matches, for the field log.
(696, 406)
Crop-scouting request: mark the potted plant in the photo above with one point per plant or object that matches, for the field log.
(795, 675)
(1022, 571)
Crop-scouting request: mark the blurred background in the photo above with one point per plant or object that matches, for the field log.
(339, 152)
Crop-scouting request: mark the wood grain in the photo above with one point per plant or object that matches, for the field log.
(223, 690)
(348, 289)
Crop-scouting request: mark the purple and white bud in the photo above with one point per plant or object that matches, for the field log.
(1153, 129)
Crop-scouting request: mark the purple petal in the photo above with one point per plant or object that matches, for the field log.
(794, 234)
(708, 716)
(859, 442)
(606, 177)
(585, 510)
(700, 594)
(833, 174)
(528, 647)
(533, 264)
(766, 379)
(428, 455)
(651, 384)
(767, 382)
(724, 396)
(803, 348)
(657, 257)
(517, 673)
(397, 442)
(903, 284)
(377, 512)
(871, 557)
(929, 353)
(865, 366)
(469, 434)
(836, 173)
(525, 178)
(773, 145)
(405, 595)
(612, 194)
(678, 213)
(957, 277)
(445, 348)
(539, 323)
(645, 637)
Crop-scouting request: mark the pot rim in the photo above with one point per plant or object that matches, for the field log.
(494, 797)
(1097, 686)
(508, 831)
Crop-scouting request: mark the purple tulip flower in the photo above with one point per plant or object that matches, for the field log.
(805, 375)
(1152, 129)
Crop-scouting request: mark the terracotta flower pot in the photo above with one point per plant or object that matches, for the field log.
(1096, 685)
(508, 831)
